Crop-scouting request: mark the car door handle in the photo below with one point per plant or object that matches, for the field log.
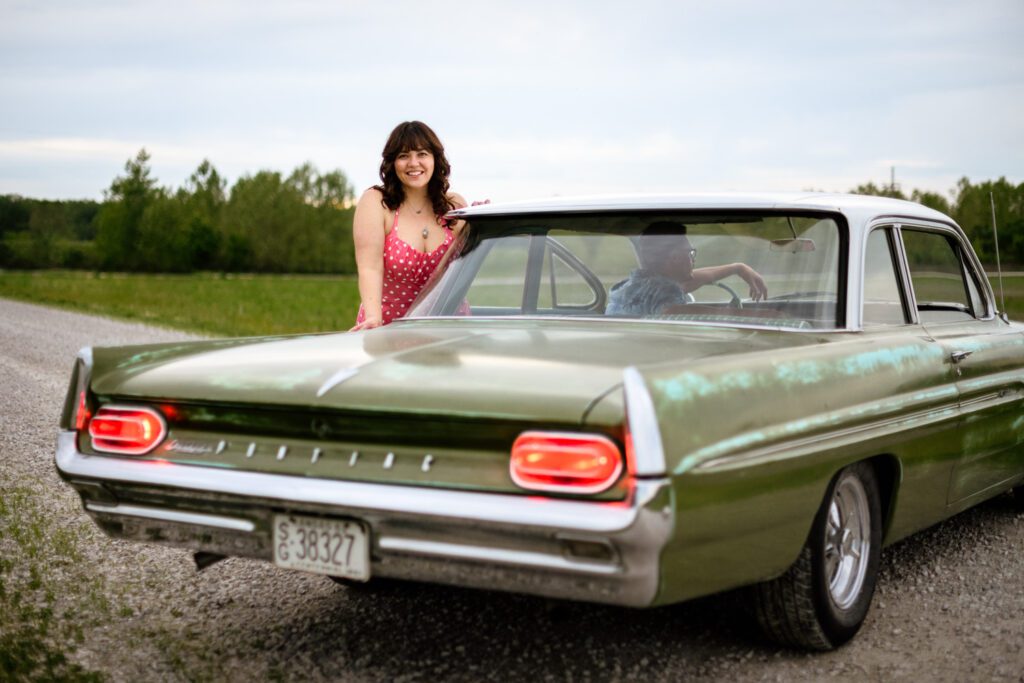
(958, 356)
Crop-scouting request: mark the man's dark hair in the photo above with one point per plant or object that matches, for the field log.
(658, 239)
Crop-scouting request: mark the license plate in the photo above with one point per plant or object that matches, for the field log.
(322, 546)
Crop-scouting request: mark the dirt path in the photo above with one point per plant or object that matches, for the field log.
(949, 606)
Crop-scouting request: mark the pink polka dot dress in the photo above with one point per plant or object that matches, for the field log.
(406, 271)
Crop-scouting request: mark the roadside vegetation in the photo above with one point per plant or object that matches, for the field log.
(214, 304)
(265, 223)
(301, 222)
(47, 592)
(273, 253)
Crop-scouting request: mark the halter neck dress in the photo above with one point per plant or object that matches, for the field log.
(406, 271)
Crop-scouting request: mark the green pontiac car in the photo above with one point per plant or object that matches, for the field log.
(633, 401)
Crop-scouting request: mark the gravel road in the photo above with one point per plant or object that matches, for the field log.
(949, 606)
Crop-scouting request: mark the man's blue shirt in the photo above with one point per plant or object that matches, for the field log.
(644, 293)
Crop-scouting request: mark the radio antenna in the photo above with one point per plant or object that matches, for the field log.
(999, 268)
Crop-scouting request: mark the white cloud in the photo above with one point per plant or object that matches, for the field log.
(531, 98)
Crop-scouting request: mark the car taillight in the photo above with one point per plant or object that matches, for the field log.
(82, 414)
(126, 430)
(570, 463)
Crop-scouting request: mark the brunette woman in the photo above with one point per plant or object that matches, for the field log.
(399, 230)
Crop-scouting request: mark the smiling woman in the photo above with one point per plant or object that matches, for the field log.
(399, 229)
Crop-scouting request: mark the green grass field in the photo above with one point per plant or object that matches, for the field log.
(237, 305)
(233, 305)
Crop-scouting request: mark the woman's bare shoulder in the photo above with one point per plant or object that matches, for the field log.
(372, 196)
(371, 213)
(371, 203)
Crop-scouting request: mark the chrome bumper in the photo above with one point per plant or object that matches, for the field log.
(598, 552)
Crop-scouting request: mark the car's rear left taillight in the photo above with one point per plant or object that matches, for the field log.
(82, 412)
(126, 430)
(565, 462)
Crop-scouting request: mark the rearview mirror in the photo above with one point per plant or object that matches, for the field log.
(793, 245)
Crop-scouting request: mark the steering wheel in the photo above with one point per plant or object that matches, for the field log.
(734, 301)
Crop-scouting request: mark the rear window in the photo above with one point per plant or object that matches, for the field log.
(772, 270)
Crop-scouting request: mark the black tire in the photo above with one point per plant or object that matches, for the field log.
(1018, 497)
(352, 584)
(374, 585)
(822, 600)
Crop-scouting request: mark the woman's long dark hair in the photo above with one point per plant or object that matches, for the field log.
(410, 136)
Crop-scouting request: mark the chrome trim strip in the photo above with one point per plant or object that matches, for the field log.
(606, 321)
(792, 446)
(976, 403)
(172, 516)
(85, 355)
(336, 379)
(566, 515)
(493, 555)
(642, 424)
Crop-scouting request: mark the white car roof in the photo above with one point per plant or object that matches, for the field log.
(843, 203)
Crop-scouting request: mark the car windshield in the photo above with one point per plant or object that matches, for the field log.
(769, 270)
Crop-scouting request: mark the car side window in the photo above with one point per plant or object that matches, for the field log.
(883, 301)
(944, 283)
(498, 287)
(564, 286)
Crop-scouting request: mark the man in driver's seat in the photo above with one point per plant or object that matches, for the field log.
(666, 275)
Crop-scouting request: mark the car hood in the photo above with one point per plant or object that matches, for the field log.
(546, 371)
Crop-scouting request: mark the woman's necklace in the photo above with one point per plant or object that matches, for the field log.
(425, 231)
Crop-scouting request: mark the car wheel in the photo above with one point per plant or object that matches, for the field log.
(1018, 497)
(361, 586)
(822, 600)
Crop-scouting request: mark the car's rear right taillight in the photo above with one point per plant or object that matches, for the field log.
(565, 462)
(126, 430)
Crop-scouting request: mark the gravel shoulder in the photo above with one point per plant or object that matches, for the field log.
(948, 607)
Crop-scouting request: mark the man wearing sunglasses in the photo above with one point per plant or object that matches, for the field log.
(667, 276)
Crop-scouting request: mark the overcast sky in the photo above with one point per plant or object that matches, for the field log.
(531, 99)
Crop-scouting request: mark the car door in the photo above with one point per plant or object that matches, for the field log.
(984, 355)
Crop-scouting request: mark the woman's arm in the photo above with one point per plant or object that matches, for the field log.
(368, 227)
(458, 202)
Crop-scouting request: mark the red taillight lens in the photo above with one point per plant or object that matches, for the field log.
(571, 463)
(125, 430)
(82, 413)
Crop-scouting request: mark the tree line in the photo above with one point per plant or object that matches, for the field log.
(269, 223)
(302, 223)
(971, 207)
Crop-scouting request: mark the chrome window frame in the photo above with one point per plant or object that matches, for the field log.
(970, 266)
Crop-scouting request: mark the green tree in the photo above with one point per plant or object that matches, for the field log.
(14, 214)
(878, 191)
(973, 212)
(262, 216)
(932, 200)
(119, 220)
(297, 224)
(203, 199)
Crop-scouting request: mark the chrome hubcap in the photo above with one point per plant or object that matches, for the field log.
(847, 542)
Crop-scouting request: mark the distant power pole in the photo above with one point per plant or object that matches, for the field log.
(893, 187)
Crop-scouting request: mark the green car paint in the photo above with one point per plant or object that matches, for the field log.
(746, 476)
(754, 420)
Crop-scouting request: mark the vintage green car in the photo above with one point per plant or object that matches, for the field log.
(634, 401)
